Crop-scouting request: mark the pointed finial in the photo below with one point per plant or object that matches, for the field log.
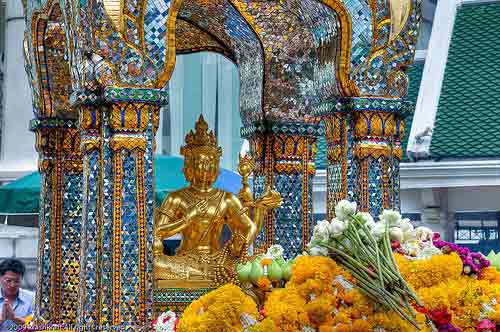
(201, 139)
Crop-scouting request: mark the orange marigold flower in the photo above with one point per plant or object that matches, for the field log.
(490, 273)
(264, 283)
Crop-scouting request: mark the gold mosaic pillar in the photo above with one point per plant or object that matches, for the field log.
(376, 150)
(118, 144)
(284, 155)
(336, 128)
(60, 165)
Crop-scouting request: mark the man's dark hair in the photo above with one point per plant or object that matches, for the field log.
(13, 265)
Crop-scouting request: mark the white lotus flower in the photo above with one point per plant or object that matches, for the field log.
(337, 228)
(396, 233)
(367, 218)
(378, 231)
(321, 231)
(409, 236)
(345, 209)
(423, 233)
(275, 251)
(318, 251)
(406, 225)
(391, 218)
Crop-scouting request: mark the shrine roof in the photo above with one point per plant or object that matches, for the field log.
(468, 117)
(415, 76)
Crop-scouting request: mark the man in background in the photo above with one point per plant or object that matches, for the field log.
(15, 303)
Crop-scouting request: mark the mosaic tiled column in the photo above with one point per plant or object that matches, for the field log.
(337, 130)
(377, 128)
(118, 144)
(284, 156)
(60, 165)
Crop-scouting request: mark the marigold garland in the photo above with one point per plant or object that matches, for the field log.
(429, 272)
(218, 311)
(321, 296)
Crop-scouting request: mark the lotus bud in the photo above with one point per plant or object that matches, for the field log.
(396, 234)
(256, 272)
(274, 272)
(244, 271)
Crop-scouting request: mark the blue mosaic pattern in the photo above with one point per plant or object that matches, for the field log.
(155, 30)
(288, 217)
(375, 186)
(352, 166)
(396, 199)
(43, 291)
(249, 55)
(311, 208)
(325, 28)
(107, 238)
(259, 185)
(132, 7)
(334, 184)
(70, 245)
(361, 18)
(90, 245)
(149, 187)
(130, 241)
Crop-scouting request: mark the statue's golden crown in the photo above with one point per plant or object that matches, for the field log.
(202, 139)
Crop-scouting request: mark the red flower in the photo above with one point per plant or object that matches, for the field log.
(421, 309)
(395, 244)
(440, 317)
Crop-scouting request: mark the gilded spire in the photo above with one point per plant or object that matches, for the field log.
(202, 139)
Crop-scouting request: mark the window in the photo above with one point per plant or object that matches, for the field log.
(478, 230)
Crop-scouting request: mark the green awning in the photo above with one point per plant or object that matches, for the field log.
(23, 195)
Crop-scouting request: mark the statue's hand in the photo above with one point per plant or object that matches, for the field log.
(270, 200)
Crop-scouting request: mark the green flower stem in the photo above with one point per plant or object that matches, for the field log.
(391, 300)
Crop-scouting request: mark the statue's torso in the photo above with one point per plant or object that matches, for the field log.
(204, 230)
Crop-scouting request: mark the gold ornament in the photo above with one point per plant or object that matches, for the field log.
(199, 213)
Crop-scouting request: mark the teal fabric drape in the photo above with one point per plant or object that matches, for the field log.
(23, 195)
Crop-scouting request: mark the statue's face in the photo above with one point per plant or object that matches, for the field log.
(202, 170)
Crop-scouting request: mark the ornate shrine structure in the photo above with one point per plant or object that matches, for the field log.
(99, 71)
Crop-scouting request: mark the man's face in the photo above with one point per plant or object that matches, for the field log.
(10, 283)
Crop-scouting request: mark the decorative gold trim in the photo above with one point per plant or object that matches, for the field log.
(164, 76)
(129, 143)
(141, 220)
(56, 234)
(349, 87)
(363, 151)
(117, 236)
(363, 186)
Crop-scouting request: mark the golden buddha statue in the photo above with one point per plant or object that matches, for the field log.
(199, 212)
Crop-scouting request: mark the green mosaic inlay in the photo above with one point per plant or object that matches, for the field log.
(52, 123)
(179, 295)
(136, 95)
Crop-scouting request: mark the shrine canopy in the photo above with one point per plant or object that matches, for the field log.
(23, 195)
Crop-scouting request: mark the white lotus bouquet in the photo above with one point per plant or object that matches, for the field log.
(363, 247)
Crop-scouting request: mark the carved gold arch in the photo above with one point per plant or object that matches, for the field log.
(165, 75)
(49, 46)
(348, 86)
(186, 43)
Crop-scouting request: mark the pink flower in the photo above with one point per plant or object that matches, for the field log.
(486, 325)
